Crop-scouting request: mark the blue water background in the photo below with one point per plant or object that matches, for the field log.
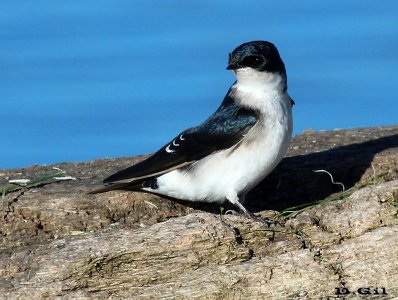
(81, 80)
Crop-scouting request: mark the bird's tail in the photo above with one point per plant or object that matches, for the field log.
(116, 186)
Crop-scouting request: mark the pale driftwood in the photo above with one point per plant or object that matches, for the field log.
(59, 242)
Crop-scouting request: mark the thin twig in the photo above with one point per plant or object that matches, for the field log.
(374, 170)
(65, 178)
(22, 182)
(151, 204)
(331, 177)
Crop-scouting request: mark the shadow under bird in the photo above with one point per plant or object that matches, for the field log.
(235, 148)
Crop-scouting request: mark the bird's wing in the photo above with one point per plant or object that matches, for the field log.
(223, 129)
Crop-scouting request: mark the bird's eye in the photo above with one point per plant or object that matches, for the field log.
(253, 61)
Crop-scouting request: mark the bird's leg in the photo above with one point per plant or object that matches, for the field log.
(234, 199)
(242, 199)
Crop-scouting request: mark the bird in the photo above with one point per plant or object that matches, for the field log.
(234, 149)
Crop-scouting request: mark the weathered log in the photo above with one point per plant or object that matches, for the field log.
(56, 241)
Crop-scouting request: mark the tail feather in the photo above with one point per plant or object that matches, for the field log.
(116, 186)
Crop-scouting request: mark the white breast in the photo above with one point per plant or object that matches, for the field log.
(239, 168)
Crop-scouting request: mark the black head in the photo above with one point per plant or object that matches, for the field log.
(259, 55)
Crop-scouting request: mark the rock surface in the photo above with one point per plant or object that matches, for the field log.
(56, 241)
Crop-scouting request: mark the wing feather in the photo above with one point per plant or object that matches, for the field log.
(223, 129)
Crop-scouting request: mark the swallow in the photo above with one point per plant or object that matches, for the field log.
(234, 149)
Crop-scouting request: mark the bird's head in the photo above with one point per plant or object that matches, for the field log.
(257, 59)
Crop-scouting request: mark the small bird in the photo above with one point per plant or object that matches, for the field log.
(235, 148)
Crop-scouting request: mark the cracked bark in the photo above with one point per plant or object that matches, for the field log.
(58, 242)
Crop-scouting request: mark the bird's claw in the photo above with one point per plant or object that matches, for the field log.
(232, 212)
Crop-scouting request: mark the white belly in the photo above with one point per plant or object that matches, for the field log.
(235, 170)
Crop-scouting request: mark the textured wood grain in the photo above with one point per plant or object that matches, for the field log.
(56, 241)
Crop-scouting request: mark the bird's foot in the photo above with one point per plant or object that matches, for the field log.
(234, 199)
(267, 221)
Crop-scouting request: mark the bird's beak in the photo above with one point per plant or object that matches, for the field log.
(232, 66)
